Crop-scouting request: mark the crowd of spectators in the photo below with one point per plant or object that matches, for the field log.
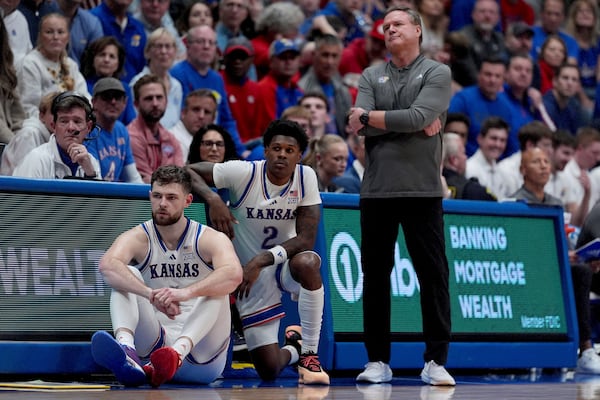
(517, 67)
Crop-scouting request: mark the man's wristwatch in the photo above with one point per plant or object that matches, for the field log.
(364, 118)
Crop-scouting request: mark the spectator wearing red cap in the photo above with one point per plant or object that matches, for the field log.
(362, 52)
(242, 92)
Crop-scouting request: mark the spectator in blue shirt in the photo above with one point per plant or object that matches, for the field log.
(113, 14)
(525, 101)
(195, 72)
(561, 102)
(350, 13)
(110, 145)
(552, 18)
(483, 100)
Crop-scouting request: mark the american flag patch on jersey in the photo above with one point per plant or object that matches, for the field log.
(293, 197)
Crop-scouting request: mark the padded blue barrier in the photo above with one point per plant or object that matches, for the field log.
(520, 315)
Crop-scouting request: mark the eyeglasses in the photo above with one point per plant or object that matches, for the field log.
(160, 46)
(210, 143)
(202, 42)
(109, 96)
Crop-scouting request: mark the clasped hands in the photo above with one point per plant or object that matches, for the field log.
(166, 300)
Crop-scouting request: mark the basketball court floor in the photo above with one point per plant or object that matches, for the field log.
(486, 385)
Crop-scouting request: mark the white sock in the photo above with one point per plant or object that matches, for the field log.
(310, 310)
(294, 356)
(183, 346)
(125, 337)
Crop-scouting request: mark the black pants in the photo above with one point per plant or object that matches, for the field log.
(423, 226)
(581, 275)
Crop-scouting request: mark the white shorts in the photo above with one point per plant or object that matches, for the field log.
(263, 305)
(262, 335)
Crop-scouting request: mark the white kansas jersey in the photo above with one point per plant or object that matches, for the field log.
(266, 212)
(177, 268)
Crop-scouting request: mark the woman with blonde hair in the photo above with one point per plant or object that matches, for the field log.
(583, 24)
(48, 67)
(11, 110)
(160, 52)
(328, 156)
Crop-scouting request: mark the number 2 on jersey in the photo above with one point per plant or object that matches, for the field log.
(271, 235)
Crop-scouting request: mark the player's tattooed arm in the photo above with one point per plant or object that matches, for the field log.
(307, 225)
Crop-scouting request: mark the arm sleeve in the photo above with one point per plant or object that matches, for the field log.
(80, 82)
(265, 109)
(6, 134)
(96, 164)
(12, 117)
(227, 121)
(432, 101)
(129, 112)
(131, 174)
(457, 104)
(138, 149)
(29, 86)
(32, 166)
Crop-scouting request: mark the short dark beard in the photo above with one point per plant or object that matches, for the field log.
(149, 119)
(169, 222)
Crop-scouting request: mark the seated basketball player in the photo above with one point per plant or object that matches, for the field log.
(171, 280)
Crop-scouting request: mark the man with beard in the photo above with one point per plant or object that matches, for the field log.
(151, 143)
(273, 219)
(171, 278)
(112, 145)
